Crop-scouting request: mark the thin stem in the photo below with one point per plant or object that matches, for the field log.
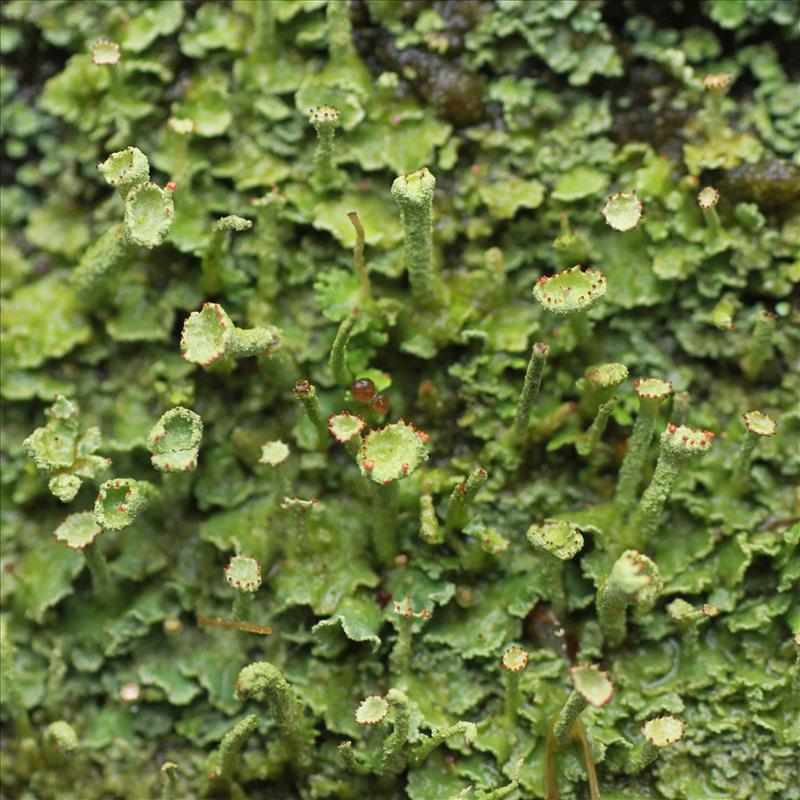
(338, 357)
(462, 497)
(530, 389)
(743, 459)
(358, 257)
(98, 567)
(648, 515)
(384, 523)
(567, 718)
(513, 698)
(242, 605)
(630, 474)
(591, 437)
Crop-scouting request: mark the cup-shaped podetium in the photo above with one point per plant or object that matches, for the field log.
(125, 170)
(571, 290)
(104, 51)
(758, 425)
(174, 441)
(372, 710)
(119, 502)
(591, 686)
(274, 453)
(149, 214)
(393, 452)
(556, 541)
(244, 574)
(633, 578)
(345, 427)
(209, 334)
(623, 211)
(78, 532)
(513, 662)
(598, 383)
(658, 732)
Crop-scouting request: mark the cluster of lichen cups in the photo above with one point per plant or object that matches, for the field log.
(389, 454)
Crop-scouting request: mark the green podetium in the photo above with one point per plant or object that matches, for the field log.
(591, 686)
(652, 392)
(405, 619)
(61, 450)
(244, 574)
(306, 393)
(61, 736)
(759, 348)
(598, 384)
(555, 541)
(590, 438)
(658, 732)
(678, 445)
(263, 682)
(222, 763)
(119, 502)
(513, 662)
(174, 442)
(758, 425)
(346, 428)
(690, 620)
(217, 274)
(337, 360)
(297, 545)
(413, 193)
(148, 215)
(169, 780)
(633, 578)
(716, 85)
(210, 335)
(707, 199)
(530, 390)
(324, 120)
(11, 696)
(387, 455)
(78, 531)
(462, 497)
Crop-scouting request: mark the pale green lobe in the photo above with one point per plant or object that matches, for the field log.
(371, 710)
(570, 290)
(202, 340)
(149, 214)
(78, 530)
(393, 452)
(579, 183)
(607, 376)
(623, 211)
(663, 731)
(274, 453)
(243, 573)
(105, 52)
(760, 424)
(118, 503)
(344, 426)
(174, 441)
(592, 684)
(125, 170)
(53, 446)
(557, 538)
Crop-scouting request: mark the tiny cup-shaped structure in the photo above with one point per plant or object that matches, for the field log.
(393, 452)
(652, 389)
(759, 423)
(606, 376)
(707, 197)
(591, 686)
(623, 211)
(118, 503)
(758, 426)
(105, 51)
(209, 334)
(78, 530)
(717, 82)
(174, 442)
(125, 169)
(243, 573)
(657, 732)
(515, 659)
(570, 290)
(149, 214)
(400, 657)
(345, 426)
(371, 710)
(274, 453)
(556, 538)
(633, 578)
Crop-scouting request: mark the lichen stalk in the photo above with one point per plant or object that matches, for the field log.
(759, 349)
(588, 441)
(414, 196)
(393, 756)
(566, 718)
(462, 497)
(227, 757)
(337, 360)
(530, 389)
(98, 569)
(358, 258)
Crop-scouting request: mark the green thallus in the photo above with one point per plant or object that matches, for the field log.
(759, 349)
(591, 686)
(652, 392)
